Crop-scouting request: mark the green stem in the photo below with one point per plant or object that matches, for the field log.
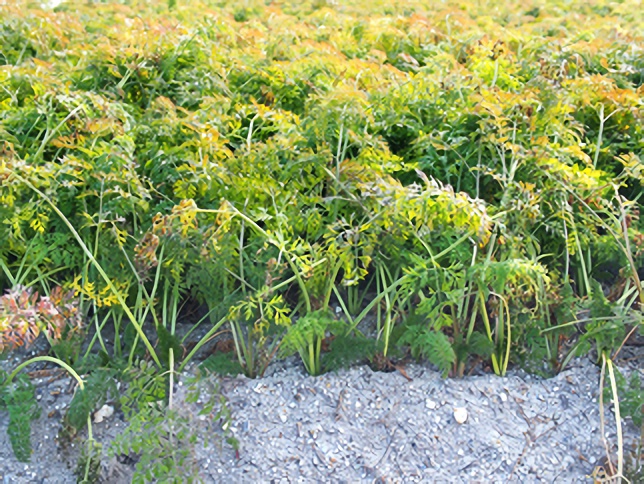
(376, 300)
(508, 338)
(117, 335)
(171, 370)
(100, 270)
(331, 284)
(201, 342)
(49, 359)
(49, 135)
(97, 334)
(312, 366)
(387, 326)
(346, 311)
(300, 282)
(486, 323)
(618, 418)
(175, 308)
(602, 120)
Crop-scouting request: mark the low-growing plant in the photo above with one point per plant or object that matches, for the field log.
(24, 315)
(20, 402)
(161, 437)
(256, 326)
(21, 399)
(631, 401)
(305, 337)
(100, 386)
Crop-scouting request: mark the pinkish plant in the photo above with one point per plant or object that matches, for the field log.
(24, 315)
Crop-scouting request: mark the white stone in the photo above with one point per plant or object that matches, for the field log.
(460, 415)
(106, 411)
(430, 404)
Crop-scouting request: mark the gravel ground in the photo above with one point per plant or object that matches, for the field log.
(363, 426)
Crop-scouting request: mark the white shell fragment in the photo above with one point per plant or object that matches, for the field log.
(106, 411)
(460, 415)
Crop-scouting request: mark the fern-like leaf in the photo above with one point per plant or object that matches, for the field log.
(305, 331)
(439, 351)
(346, 350)
(21, 404)
(480, 345)
(98, 386)
(433, 345)
(222, 364)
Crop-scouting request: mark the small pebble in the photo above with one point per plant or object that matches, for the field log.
(105, 412)
(460, 415)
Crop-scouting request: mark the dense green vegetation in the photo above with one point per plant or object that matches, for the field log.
(458, 181)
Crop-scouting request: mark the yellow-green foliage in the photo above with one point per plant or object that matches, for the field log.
(427, 137)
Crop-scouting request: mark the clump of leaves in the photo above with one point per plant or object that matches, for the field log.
(99, 386)
(19, 400)
(305, 338)
(88, 467)
(631, 397)
(222, 364)
(24, 315)
(606, 328)
(156, 436)
(162, 439)
(256, 325)
(213, 406)
(345, 349)
(428, 343)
